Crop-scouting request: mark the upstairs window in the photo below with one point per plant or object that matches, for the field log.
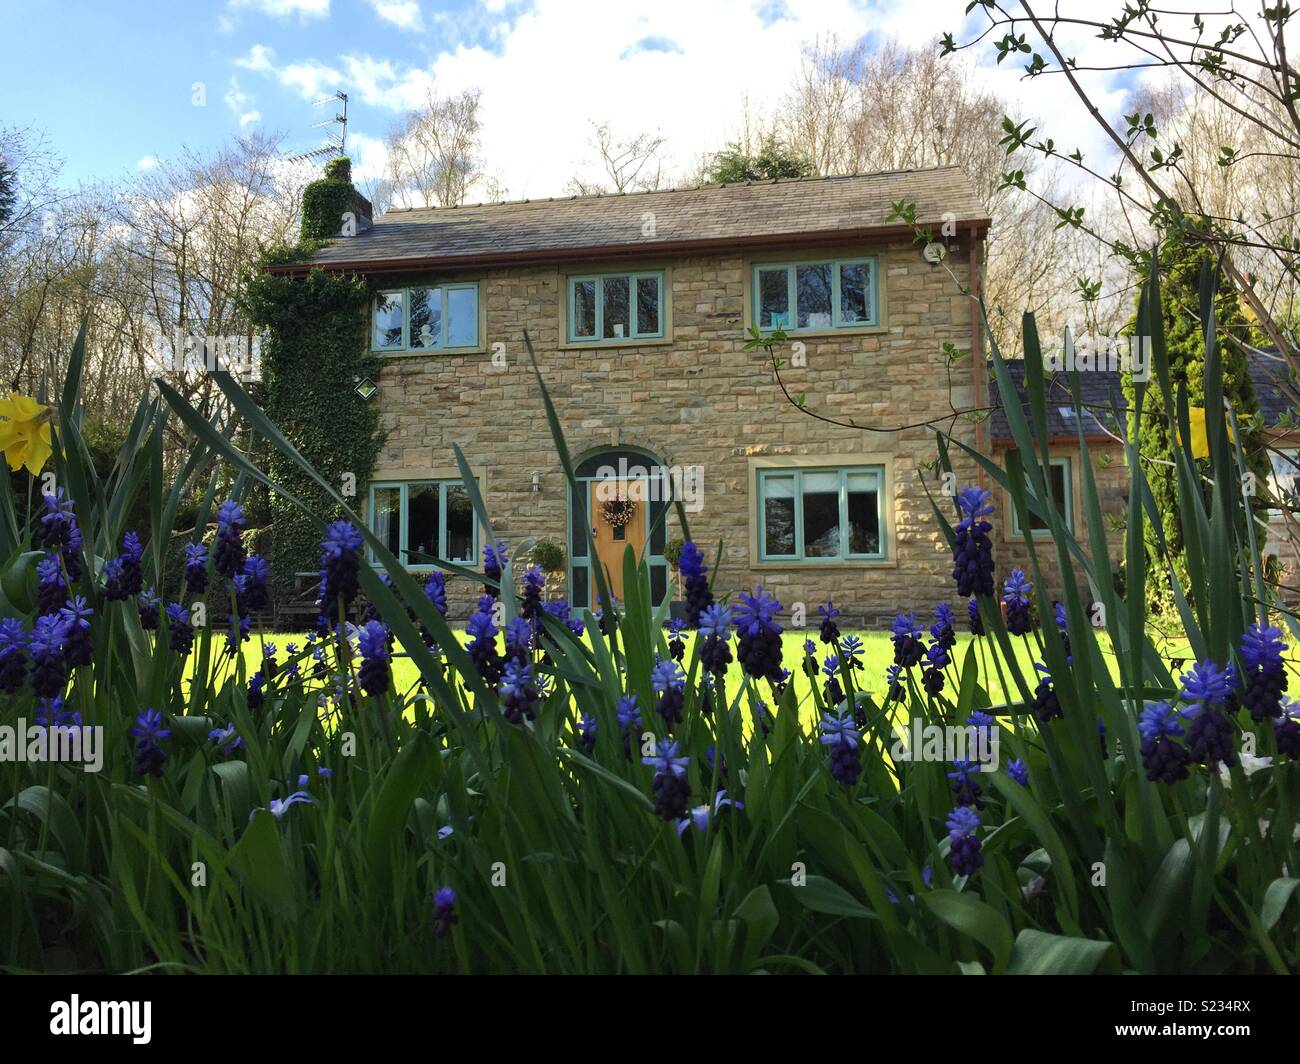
(1060, 484)
(612, 307)
(808, 296)
(443, 318)
(421, 520)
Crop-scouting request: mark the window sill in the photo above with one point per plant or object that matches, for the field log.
(836, 563)
(606, 345)
(846, 330)
(434, 352)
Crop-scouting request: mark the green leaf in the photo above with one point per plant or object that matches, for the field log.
(823, 895)
(1038, 953)
(974, 918)
(1275, 898)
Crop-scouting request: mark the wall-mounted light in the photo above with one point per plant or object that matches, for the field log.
(366, 388)
(934, 253)
(537, 481)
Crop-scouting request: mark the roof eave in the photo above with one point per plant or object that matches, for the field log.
(610, 251)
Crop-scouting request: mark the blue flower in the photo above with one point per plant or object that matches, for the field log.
(699, 815)
(841, 735)
(253, 585)
(973, 618)
(340, 564)
(669, 680)
(715, 620)
(943, 631)
(964, 848)
(1017, 771)
(49, 667)
(231, 522)
(1162, 757)
(587, 732)
(1263, 673)
(149, 733)
(279, 806)
(495, 556)
(695, 581)
(972, 556)
(629, 713)
(851, 649)
(51, 588)
(375, 675)
(1015, 597)
(483, 640)
(893, 677)
(671, 789)
(147, 604)
(13, 654)
(759, 649)
(519, 638)
(435, 590)
(196, 568)
(518, 692)
(906, 637)
(444, 915)
(226, 740)
(829, 630)
(78, 647)
(965, 788)
(1047, 705)
(180, 635)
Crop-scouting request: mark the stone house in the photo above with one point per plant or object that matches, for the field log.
(639, 307)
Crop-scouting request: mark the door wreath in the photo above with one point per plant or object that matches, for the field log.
(618, 513)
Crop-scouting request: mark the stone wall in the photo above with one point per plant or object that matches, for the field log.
(700, 398)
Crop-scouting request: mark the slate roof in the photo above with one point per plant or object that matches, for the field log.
(1102, 393)
(774, 212)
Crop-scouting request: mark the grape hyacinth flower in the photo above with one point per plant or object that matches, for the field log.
(715, 631)
(256, 691)
(852, 651)
(435, 590)
(676, 645)
(115, 581)
(238, 632)
(695, 581)
(669, 680)
(759, 649)
(279, 806)
(375, 675)
(253, 585)
(530, 602)
(1017, 771)
(965, 789)
(1047, 706)
(340, 562)
(519, 639)
(180, 635)
(149, 733)
(1263, 674)
(842, 736)
(1286, 728)
(563, 612)
(196, 568)
(13, 654)
(518, 693)
(943, 631)
(762, 717)
(1162, 757)
(906, 637)
(587, 733)
(229, 555)
(973, 619)
(147, 604)
(444, 911)
(833, 692)
(932, 674)
(483, 643)
(53, 713)
(226, 740)
(51, 588)
(49, 672)
(699, 815)
(58, 531)
(1015, 596)
(78, 647)
(495, 556)
(1208, 690)
(972, 556)
(895, 691)
(964, 848)
(810, 659)
(132, 555)
(269, 665)
(1063, 626)
(671, 790)
(829, 630)
(629, 721)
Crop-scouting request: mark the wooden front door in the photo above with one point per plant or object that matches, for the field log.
(618, 521)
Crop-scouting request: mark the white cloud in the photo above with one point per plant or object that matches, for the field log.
(260, 58)
(404, 14)
(249, 118)
(286, 8)
(147, 162)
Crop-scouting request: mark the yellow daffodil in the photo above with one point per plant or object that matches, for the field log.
(1200, 440)
(24, 433)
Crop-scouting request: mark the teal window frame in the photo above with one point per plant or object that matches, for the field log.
(1061, 461)
(799, 556)
(441, 345)
(792, 273)
(598, 280)
(403, 517)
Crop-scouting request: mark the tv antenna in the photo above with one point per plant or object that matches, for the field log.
(336, 143)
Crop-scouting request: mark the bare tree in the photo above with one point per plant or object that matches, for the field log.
(433, 155)
(631, 164)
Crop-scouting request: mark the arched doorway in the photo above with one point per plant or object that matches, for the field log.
(622, 498)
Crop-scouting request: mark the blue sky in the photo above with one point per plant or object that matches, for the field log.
(111, 82)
